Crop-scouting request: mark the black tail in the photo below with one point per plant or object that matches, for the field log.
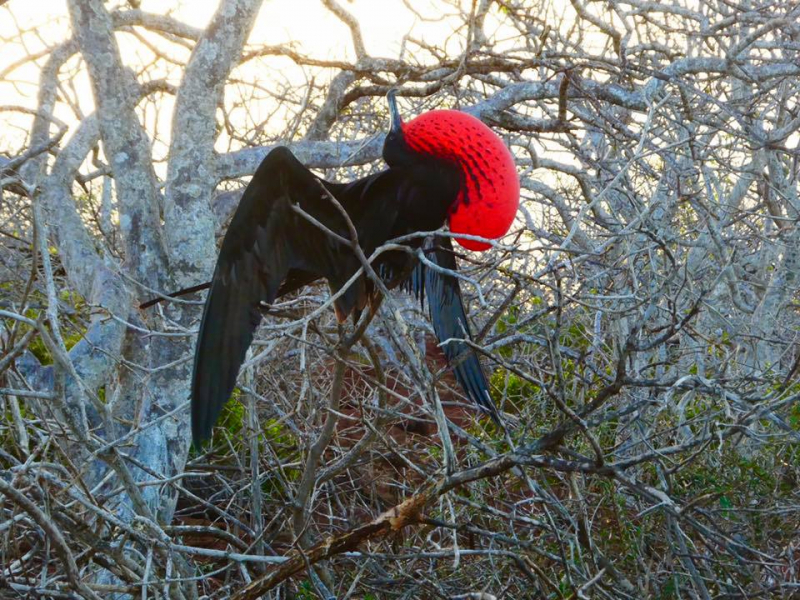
(450, 321)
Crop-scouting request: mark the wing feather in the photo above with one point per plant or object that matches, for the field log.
(265, 248)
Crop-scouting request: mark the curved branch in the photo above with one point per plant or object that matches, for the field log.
(188, 219)
(125, 140)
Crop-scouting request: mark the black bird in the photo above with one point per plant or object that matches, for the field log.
(444, 165)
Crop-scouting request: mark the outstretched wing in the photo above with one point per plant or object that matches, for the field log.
(266, 241)
(450, 321)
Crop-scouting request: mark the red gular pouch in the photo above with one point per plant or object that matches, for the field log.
(489, 198)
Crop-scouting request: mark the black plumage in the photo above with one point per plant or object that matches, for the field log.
(272, 247)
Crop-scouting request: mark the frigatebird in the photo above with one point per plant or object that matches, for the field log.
(287, 232)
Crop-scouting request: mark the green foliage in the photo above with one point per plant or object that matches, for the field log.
(72, 330)
(40, 351)
(233, 415)
(305, 591)
(275, 433)
(232, 421)
(230, 428)
(736, 480)
(504, 323)
(606, 433)
(576, 336)
(794, 416)
(508, 322)
(514, 387)
(669, 590)
(508, 319)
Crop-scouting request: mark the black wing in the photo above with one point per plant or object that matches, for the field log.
(266, 248)
(450, 321)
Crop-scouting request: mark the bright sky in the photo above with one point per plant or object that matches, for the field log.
(310, 27)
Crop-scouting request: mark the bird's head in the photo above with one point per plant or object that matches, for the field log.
(489, 196)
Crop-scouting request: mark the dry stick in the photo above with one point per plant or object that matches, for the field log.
(405, 514)
(438, 412)
(309, 477)
(315, 453)
(76, 416)
(53, 534)
(559, 395)
(253, 433)
(411, 511)
(25, 295)
(371, 435)
(172, 296)
(686, 558)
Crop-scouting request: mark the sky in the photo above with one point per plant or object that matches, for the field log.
(384, 23)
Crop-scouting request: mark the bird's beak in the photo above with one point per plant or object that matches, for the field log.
(394, 113)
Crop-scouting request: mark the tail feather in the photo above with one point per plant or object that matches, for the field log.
(449, 319)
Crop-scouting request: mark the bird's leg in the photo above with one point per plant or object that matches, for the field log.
(341, 316)
(365, 321)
